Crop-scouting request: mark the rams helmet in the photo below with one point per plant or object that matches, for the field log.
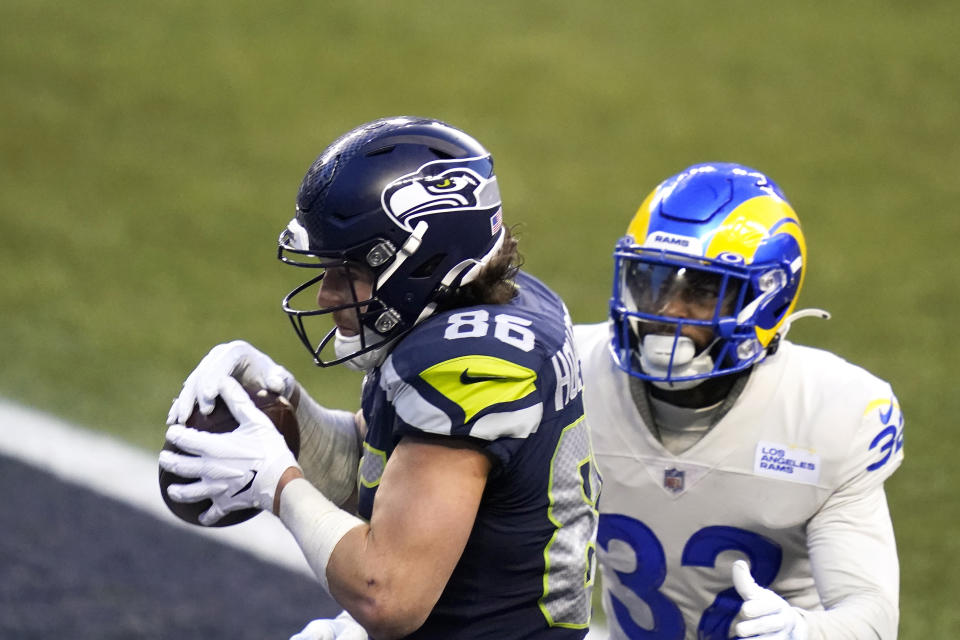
(416, 201)
(706, 277)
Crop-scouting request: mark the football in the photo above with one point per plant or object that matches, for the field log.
(220, 420)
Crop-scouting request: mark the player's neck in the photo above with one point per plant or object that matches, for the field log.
(706, 394)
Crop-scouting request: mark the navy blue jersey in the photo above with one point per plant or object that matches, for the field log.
(507, 378)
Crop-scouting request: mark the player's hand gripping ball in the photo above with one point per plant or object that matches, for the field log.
(220, 420)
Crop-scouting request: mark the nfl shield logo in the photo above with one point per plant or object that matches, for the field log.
(673, 480)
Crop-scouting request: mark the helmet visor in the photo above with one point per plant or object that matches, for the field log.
(691, 292)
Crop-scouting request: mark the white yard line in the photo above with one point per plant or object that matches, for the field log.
(128, 474)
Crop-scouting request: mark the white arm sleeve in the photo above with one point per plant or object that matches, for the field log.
(329, 448)
(853, 555)
(316, 523)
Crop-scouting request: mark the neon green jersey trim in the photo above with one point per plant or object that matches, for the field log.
(372, 462)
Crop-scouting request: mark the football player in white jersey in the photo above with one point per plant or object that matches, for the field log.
(743, 474)
(476, 481)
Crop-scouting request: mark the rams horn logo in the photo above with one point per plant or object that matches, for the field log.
(440, 186)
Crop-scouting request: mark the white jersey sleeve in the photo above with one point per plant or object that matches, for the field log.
(850, 539)
(790, 479)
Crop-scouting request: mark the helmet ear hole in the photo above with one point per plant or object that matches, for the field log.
(426, 268)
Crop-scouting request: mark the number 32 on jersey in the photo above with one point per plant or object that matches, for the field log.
(645, 580)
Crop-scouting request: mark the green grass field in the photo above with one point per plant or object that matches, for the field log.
(150, 154)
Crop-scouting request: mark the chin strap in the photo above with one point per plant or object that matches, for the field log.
(803, 313)
(408, 249)
(660, 354)
(470, 268)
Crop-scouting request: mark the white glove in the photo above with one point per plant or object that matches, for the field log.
(767, 616)
(238, 359)
(343, 627)
(238, 469)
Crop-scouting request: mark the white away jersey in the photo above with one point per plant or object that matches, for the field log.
(791, 479)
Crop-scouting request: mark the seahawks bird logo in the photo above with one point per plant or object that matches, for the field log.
(442, 186)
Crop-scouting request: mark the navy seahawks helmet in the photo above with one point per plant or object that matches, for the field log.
(414, 200)
(715, 249)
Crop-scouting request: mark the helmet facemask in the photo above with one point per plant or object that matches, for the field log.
(374, 321)
(378, 323)
(677, 315)
(679, 320)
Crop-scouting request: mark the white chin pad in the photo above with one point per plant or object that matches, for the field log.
(655, 354)
(658, 349)
(345, 346)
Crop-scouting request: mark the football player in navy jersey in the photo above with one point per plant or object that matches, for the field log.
(476, 488)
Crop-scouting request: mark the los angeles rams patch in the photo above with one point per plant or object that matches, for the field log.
(786, 463)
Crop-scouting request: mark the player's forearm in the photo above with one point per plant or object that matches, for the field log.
(381, 589)
(859, 617)
(329, 447)
(377, 585)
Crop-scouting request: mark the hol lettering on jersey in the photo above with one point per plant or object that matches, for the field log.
(566, 366)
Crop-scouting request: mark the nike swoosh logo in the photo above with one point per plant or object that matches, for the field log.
(466, 378)
(253, 477)
(885, 417)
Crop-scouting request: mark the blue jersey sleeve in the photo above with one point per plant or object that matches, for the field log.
(489, 373)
